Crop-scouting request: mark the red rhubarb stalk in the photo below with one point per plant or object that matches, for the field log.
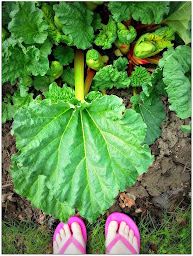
(154, 60)
(150, 69)
(88, 81)
(127, 23)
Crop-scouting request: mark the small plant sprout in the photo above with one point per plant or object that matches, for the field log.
(94, 60)
(125, 37)
(152, 43)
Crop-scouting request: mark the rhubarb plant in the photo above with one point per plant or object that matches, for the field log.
(177, 79)
(75, 140)
(79, 149)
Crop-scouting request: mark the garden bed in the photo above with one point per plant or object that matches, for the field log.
(96, 108)
(166, 184)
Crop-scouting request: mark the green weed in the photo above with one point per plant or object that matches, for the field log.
(96, 237)
(172, 236)
(25, 238)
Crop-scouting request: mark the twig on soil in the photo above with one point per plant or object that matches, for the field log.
(7, 185)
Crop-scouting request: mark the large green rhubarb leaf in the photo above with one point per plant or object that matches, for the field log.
(76, 19)
(40, 196)
(144, 11)
(27, 23)
(83, 154)
(176, 66)
(153, 115)
(180, 21)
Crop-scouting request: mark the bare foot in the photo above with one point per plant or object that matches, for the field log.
(64, 235)
(125, 231)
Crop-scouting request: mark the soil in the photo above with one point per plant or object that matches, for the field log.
(167, 183)
(163, 187)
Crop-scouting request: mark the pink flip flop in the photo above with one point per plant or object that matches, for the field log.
(119, 217)
(72, 239)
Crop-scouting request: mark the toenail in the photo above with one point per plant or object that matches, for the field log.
(61, 231)
(75, 224)
(113, 223)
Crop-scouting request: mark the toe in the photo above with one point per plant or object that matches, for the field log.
(122, 228)
(55, 247)
(131, 234)
(126, 231)
(58, 239)
(62, 234)
(77, 233)
(135, 244)
(113, 226)
(67, 230)
(76, 228)
(112, 231)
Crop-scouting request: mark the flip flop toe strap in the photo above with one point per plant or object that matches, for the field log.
(124, 241)
(75, 242)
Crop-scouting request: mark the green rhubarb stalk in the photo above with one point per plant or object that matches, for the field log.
(79, 74)
(118, 53)
(134, 91)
